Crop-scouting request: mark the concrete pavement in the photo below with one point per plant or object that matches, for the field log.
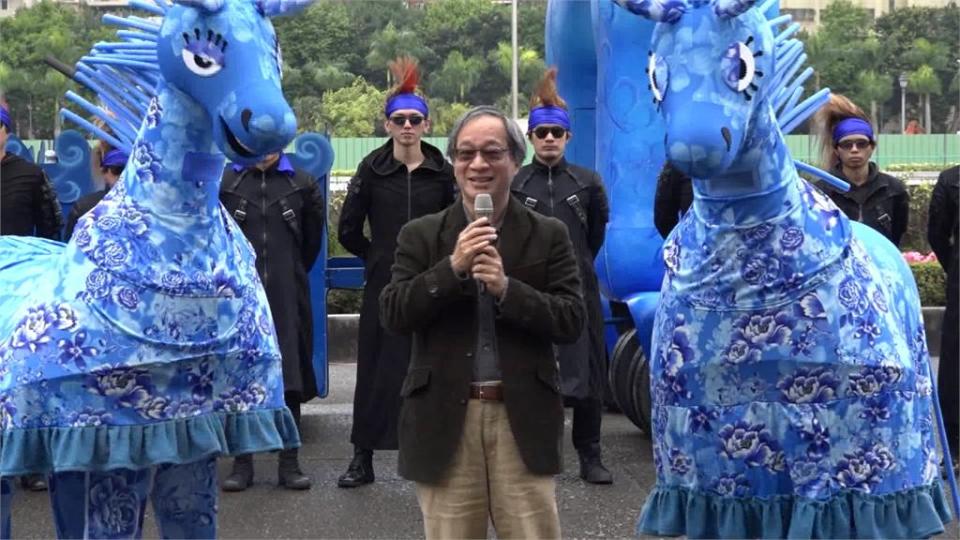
(388, 508)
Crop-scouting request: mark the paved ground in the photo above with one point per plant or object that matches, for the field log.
(388, 508)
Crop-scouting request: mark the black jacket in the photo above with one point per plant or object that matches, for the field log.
(673, 198)
(386, 196)
(28, 203)
(82, 206)
(943, 228)
(575, 196)
(282, 215)
(542, 306)
(885, 207)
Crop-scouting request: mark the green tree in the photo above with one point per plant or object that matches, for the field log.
(530, 68)
(457, 77)
(33, 91)
(319, 34)
(443, 115)
(392, 43)
(842, 47)
(924, 81)
(352, 111)
(874, 88)
(899, 31)
(309, 111)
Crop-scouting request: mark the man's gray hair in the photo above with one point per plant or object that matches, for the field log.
(516, 143)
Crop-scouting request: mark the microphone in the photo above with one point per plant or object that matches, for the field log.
(483, 207)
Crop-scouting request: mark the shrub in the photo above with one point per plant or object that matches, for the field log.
(931, 282)
(344, 301)
(915, 238)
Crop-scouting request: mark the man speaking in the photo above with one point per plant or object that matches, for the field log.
(485, 299)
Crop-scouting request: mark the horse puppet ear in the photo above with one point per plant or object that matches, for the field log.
(728, 9)
(210, 6)
(276, 8)
(666, 11)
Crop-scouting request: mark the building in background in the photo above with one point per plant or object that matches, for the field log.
(807, 12)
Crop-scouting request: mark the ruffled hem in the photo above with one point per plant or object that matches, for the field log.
(920, 512)
(98, 448)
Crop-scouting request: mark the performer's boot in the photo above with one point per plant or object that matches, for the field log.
(360, 471)
(289, 474)
(34, 482)
(591, 467)
(241, 477)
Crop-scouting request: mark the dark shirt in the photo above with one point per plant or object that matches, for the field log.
(673, 198)
(943, 227)
(486, 366)
(82, 206)
(882, 202)
(28, 203)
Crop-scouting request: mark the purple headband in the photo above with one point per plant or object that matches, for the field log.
(5, 120)
(114, 158)
(548, 114)
(406, 101)
(852, 126)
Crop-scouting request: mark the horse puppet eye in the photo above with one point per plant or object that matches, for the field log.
(739, 68)
(658, 76)
(203, 57)
(200, 64)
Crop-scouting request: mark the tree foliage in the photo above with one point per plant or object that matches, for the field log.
(857, 56)
(352, 111)
(32, 90)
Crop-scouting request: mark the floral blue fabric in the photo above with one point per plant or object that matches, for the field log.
(147, 339)
(791, 384)
(112, 504)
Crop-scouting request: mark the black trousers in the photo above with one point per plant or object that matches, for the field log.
(292, 400)
(587, 415)
(948, 376)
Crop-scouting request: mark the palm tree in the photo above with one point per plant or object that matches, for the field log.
(924, 81)
(929, 58)
(458, 76)
(391, 43)
(875, 88)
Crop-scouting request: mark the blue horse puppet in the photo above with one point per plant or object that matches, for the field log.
(144, 347)
(790, 376)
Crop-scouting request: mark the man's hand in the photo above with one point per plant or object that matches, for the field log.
(488, 268)
(472, 240)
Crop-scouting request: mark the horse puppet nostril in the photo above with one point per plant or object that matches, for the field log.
(726, 136)
(245, 118)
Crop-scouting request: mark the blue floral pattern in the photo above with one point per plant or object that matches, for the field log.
(152, 320)
(789, 372)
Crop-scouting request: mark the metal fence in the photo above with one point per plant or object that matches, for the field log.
(939, 151)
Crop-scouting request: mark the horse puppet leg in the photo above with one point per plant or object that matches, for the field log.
(185, 499)
(99, 504)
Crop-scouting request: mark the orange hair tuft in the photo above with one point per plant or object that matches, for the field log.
(546, 92)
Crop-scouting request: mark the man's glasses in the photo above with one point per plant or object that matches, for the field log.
(490, 155)
(556, 131)
(861, 144)
(400, 120)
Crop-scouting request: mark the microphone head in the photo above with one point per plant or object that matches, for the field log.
(483, 205)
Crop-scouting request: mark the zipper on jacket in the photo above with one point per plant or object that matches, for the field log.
(550, 189)
(409, 197)
(263, 210)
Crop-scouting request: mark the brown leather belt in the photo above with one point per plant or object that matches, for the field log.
(486, 392)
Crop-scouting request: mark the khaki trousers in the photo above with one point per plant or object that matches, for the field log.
(488, 479)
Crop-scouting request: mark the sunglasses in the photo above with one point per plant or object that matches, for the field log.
(490, 155)
(556, 131)
(861, 144)
(400, 120)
